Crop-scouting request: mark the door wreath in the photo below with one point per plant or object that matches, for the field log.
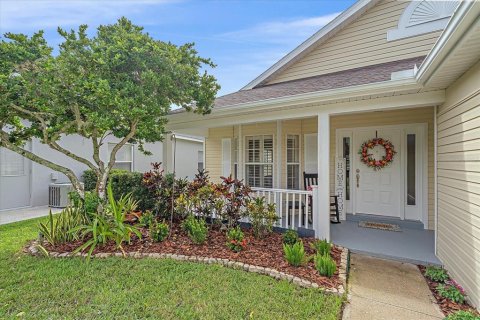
(368, 158)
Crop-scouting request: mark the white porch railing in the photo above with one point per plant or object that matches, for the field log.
(295, 208)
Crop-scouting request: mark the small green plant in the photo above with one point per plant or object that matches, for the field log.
(58, 229)
(325, 265)
(262, 216)
(196, 229)
(295, 254)
(462, 315)
(146, 219)
(436, 274)
(451, 290)
(322, 247)
(290, 237)
(158, 231)
(235, 239)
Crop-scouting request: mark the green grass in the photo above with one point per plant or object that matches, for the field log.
(117, 288)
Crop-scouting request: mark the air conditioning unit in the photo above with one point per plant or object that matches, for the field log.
(58, 194)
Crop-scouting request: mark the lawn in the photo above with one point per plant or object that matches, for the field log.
(117, 288)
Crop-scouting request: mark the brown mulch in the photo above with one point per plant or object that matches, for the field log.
(446, 305)
(266, 252)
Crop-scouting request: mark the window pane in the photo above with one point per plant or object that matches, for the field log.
(11, 163)
(293, 176)
(346, 156)
(123, 165)
(293, 150)
(411, 174)
(123, 154)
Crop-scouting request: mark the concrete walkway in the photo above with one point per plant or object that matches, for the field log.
(25, 214)
(382, 289)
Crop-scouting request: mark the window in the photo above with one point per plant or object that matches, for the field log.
(259, 161)
(293, 162)
(346, 156)
(11, 163)
(235, 158)
(124, 157)
(200, 165)
(411, 170)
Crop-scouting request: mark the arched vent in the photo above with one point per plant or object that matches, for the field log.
(422, 17)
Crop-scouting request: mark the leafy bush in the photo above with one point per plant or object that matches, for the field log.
(462, 315)
(200, 202)
(235, 239)
(295, 254)
(89, 204)
(158, 231)
(322, 247)
(325, 265)
(436, 274)
(290, 237)
(146, 219)
(452, 291)
(196, 229)
(262, 216)
(235, 197)
(108, 226)
(59, 228)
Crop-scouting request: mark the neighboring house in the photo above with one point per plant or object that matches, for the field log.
(24, 183)
(403, 71)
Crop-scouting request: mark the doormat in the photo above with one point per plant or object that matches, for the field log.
(380, 226)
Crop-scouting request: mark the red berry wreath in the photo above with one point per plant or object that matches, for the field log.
(368, 159)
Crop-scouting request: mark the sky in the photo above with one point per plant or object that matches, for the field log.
(243, 38)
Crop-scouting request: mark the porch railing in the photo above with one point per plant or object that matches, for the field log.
(295, 208)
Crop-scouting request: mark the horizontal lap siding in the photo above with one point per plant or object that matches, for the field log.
(394, 117)
(362, 43)
(458, 162)
(213, 150)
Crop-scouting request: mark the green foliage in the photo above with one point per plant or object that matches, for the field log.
(196, 229)
(146, 219)
(262, 216)
(462, 315)
(235, 197)
(322, 247)
(57, 229)
(89, 204)
(451, 292)
(108, 226)
(290, 237)
(325, 265)
(158, 231)
(235, 239)
(295, 254)
(436, 274)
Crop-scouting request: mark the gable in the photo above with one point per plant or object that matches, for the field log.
(362, 43)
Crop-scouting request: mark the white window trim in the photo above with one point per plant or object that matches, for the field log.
(273, 163)
(299, 163)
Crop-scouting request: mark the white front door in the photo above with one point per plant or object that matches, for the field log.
(377, 192)
(14, 180)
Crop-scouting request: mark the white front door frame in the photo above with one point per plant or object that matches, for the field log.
(420, 129)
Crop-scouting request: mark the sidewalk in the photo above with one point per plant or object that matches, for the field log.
(25, 214)
(382, 289)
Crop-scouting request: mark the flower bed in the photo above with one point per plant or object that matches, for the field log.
(446, 305)
(266, 252)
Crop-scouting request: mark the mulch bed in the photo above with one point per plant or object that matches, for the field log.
(446, 305)
(266, 252)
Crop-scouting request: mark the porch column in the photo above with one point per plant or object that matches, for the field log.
(322, 228)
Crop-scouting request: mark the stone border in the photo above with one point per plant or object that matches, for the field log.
(33, 249)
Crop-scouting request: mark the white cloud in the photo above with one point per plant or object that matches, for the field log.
(20, 15)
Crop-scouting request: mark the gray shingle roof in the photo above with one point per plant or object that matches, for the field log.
(352, 77)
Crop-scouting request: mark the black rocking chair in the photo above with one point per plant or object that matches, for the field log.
(311, 179)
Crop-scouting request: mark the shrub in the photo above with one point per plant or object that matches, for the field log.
(290, 237)
(58, 229)
(451, 290)
(262, 216)
(325, 265)
(89, 204)
(436, 274)
(158, 231)
(462, 315)
(196, 229)
(146, 219)
(295, 254)
(235, 240)
(322, 247)
(235, 195)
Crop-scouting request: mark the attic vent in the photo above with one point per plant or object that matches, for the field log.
(423, 17)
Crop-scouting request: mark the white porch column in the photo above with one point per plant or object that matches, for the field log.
(322, 229)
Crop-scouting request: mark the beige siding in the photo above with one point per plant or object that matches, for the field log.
(213, 150)
(362, 43)
(458, 161)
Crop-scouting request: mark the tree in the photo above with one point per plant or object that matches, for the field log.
(119, 82)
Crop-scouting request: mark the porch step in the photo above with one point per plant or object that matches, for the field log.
(409, 224)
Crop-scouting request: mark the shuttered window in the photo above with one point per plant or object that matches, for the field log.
(11, 163)
(259, 158)
(293, 162)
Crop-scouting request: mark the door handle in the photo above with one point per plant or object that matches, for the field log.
(358, 178)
